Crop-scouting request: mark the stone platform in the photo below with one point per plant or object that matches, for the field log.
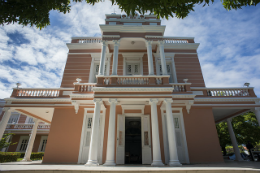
(38, 167)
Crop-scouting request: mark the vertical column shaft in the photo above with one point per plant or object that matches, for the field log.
(102, 59)
(115, 57)
(257, 114)
(150, 57)
(157, 161)
(234, 141)
(92, 71)
(162, 56)
(110, 158)
(93, 149)
(174, 160)
(5, 120)
(29, 148)
(174, 71)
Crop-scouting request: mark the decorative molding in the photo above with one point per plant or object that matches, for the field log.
(188, 105)
(38, 100)
(76, 106)
(233, 99)
(131, 89)
(183, 96)
(81, 96)
(132, 107)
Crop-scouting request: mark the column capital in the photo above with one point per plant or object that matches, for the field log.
(116, 42)
(148, 42)
(161, 42)
(7, 109)
(229, 119)
(153, 101)
(168, 100)
(97, 100)
(257, 108)
(112, 100)
(104, 42)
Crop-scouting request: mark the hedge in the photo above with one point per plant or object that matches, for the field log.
(13, 156)
(34, 156)
(9, 156)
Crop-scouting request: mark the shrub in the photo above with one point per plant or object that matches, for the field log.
(9, 156)
(37, 156)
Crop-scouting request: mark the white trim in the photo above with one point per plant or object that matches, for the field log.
(20, 142)
(136, 89)
(220, 88)
(83, 133)
(226, 99)
(40, 146)
(132, 107)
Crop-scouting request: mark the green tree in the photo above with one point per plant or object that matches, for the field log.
(5, 142)
(36, 12)
(245, 127)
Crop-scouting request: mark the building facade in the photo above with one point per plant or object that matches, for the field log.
(132, 96)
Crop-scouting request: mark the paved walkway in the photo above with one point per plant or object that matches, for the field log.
(38, 167)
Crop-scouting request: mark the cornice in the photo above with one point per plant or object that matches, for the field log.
(82, 96)
(37, 100)
(131, 89)
(235, 99)
(183, 96)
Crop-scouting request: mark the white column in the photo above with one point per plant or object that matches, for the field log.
(93, 149)
(257, 114)
(29, 148)
(174, 71)
(162, 56)
(115, 57)
(110, 159)
(233, 140)
(92, 71)
(150, 57)
(174, 160)
(157, 161)
(5, 120)
(102, 59)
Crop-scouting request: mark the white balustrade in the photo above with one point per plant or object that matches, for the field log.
(29, 126)
(86, 88)
(175, 41)
(178, 88)
(38, 92)
(132, 81)
(90, 40)
(227, 92)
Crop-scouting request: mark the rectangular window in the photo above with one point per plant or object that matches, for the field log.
(176, 123)
(30, 120)
(14, 118)
(153, 23)
(23, 143)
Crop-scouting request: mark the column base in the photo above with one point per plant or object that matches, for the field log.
(92, 163)
(157, 163)
(109, 163)
(174, 163)
(26, 160)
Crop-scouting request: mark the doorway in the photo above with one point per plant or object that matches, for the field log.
(133, 140)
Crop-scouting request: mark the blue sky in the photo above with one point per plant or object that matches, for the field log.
(229, 49)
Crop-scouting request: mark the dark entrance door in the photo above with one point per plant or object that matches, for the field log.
(133, 140)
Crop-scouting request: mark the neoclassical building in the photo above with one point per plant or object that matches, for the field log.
(131, 96)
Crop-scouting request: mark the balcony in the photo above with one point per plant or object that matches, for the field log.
(225, 92)
(26, 126)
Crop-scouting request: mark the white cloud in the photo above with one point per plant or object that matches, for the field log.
(229, 47)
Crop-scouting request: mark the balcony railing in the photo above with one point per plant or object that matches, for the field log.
(134, 80)
(36, 92)
(90, 40)
(181, 87)
(226, 92)
(27, 126)
(84, 87)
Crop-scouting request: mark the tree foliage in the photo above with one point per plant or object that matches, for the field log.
(246, 128)
(36, 12)
(4, 142)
